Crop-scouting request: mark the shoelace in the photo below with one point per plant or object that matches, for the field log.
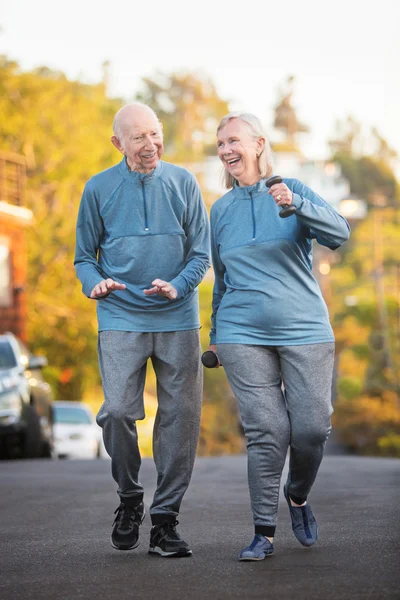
(126, 516)
(169, 530)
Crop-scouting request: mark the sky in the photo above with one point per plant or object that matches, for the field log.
(344, 55)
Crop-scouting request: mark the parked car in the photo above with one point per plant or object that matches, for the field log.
(76, 433)
(26, 418)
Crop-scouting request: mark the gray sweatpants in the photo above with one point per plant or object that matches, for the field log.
(123, 359)
(274, 420)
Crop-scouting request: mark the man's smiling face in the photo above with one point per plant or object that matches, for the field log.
(140, 138)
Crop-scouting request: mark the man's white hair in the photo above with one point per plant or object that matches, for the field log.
(117, 126)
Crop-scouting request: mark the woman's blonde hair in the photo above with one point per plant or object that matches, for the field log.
(256, 129)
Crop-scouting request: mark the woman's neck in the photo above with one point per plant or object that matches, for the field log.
(250, 180)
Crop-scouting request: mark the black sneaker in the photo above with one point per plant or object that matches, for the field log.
(165, 541)
(125, 533)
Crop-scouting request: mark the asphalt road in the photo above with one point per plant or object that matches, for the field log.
(56, 520)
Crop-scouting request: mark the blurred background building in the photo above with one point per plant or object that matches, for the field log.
(14, 218)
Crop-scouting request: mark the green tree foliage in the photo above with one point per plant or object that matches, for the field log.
(365, 301)
(190, 110)
(63, 128)
(221, 432)
(368, 174)
(286, 118)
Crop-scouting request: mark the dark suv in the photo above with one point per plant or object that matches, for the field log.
(26, 424)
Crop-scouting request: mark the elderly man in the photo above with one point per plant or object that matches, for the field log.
(142, 249)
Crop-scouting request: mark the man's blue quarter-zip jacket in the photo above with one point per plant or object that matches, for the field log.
(134, 228)
(264, 291)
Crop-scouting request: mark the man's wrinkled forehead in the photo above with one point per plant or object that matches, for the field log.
(138, 121)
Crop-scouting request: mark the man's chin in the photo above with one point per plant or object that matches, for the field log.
(147, 166)
(151, 164)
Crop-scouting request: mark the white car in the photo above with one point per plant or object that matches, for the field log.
(76, 433)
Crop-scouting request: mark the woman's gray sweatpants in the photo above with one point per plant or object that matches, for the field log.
(273, 420)
(123, 359)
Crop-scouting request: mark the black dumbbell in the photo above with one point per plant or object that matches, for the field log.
(287, 209)
(210, 359)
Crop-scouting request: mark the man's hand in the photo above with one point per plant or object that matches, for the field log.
(105, 287)
(162, 288)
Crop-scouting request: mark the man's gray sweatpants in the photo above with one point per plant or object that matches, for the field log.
(273, 420)
(176, 360)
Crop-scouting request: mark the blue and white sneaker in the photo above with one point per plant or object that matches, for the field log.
(304, 524)
(259, 549)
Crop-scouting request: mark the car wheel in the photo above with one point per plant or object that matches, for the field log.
(46, 450)
(31, 438)
(10, 446)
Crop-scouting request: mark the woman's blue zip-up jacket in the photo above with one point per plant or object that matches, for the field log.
(264, 291)
(135, 228)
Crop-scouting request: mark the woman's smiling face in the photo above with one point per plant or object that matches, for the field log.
(238, 150)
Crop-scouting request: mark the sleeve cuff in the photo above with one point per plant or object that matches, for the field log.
(87, 288)
(297, 201)
(178, 284)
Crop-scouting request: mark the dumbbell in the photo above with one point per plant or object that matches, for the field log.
(209, 359)
(287, 209)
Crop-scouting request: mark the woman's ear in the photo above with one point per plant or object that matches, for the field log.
(260, 145)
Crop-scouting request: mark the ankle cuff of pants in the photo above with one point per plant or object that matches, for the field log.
(132, 500)
(161, 518)
(267, 530)
(298, 499)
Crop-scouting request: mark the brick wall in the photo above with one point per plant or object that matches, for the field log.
(13, 316)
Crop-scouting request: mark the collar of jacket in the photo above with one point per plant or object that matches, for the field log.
(139, 177)
(244, 192)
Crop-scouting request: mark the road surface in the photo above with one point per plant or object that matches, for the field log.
(56, 521)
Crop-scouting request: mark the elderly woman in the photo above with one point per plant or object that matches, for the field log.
(270, 325)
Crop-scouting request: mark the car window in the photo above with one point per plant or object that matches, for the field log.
(7, 357)
(73, 415)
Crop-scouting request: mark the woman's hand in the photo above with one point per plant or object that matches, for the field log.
(213, 348)
(281, 194)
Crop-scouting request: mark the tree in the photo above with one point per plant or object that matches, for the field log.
(286, 118)
(368, 174)
(63, 128)
(366, 299)
(190, 110)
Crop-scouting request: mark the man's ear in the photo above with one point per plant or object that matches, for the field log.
(115, 141)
